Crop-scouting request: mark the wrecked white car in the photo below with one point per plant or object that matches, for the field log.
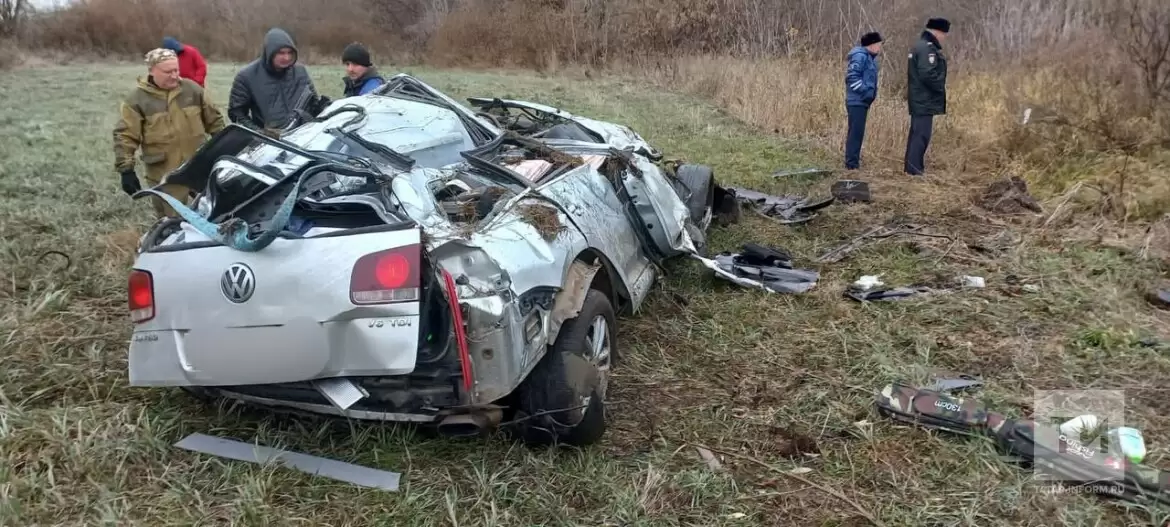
(402, 257)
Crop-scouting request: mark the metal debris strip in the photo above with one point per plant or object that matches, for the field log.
(963, 382)
(874, 235)
(782, 209)
(774, 277)
(896, 293)
(802, 172)
(318, 466)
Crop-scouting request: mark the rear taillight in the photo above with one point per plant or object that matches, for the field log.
(141, 296)
(386, 277)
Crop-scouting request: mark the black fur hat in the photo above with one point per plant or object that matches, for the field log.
(357, 54)
(870, 38)
(939, 24)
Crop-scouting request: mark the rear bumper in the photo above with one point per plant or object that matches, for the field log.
(323, 408)
(298, 351)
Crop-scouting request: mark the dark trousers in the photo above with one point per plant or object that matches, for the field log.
(856, 135)
(921, 127)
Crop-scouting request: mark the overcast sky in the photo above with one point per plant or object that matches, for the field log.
(41, 4)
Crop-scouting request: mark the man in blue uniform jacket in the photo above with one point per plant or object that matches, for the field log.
(861, 86)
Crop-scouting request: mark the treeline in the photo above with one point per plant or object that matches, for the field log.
(535, 32)
(1093, 75)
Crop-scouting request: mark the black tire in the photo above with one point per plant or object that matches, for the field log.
(700, 179)
(561, 380)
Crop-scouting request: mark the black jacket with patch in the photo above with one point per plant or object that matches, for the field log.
(926, 77)
(263, 97)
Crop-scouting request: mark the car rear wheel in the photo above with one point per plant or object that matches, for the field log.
(563, 399)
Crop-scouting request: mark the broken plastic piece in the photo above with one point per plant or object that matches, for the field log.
(318, 466)
(755, 254)
(866, 283)
(974, 281)
(851, 190)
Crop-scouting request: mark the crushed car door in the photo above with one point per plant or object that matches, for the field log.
(596, 209)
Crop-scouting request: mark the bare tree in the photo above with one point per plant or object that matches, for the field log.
(12, 12)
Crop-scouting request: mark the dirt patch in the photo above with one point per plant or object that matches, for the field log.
(1008, 196)
(544, 218)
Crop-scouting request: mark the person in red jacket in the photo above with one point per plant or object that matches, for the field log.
(191, 63)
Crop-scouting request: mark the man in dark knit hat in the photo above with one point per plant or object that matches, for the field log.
(926, 91)
(361, 77)
(861, 86)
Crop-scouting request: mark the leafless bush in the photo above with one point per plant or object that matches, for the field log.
(1142, 30)
(226, 29)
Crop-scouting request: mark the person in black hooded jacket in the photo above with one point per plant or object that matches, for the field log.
(267, 92)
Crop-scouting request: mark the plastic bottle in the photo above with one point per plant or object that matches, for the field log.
(1128, 442)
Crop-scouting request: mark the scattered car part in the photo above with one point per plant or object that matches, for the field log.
(342, 392)
(783, 209)
(963, 382)
(1105, 472)
(459, 262)
(764, 268)
(850, 191)
(317, 466)
(727, 208)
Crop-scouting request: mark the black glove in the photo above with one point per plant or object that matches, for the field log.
(130, 183)
(318, 105)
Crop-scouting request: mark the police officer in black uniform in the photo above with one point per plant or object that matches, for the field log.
(926, 87)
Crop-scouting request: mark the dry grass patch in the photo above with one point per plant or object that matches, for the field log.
(786, 380)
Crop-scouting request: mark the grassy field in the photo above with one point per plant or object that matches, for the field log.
(786, 380)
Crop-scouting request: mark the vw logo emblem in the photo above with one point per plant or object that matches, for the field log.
(238, 283)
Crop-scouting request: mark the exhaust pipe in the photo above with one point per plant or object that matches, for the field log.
(475, 423)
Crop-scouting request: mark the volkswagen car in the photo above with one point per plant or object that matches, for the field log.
(405, 257)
